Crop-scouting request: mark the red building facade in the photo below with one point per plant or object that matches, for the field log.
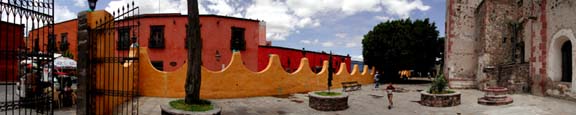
(165, 37)
(290, 58)
(12, 38)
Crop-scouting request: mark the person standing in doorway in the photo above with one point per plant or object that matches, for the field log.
(390, 89)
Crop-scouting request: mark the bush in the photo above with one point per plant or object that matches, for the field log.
(439, 85)
(328, 93)
(180, 105)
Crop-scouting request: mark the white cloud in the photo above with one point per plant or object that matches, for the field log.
(351, 45)
(403, 8)
(156, 6)
(80, 3)
(308, 8)
(358, 58)
(353, 6)
(310, 42)
(383, 18)
(308, 22)
(341, 35)
(279, 23)
(62, 13)
(328, 44)
(221, 7)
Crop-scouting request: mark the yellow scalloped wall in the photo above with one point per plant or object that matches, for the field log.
(236, 81)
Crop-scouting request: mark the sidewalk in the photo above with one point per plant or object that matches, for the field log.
(362, 103)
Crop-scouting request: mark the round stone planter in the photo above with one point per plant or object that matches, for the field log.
(439, 100)
(328, 103)
(168, 110)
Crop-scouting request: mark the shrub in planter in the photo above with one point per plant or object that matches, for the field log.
(438, 95)
(179, 107)
(328, 101)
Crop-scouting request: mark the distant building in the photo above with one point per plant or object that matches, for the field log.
(359, 63)
(165, 37)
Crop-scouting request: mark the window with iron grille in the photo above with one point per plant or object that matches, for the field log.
(64, 44)
(238, 42)
(51, 43)
(156, 37)
(123, 39)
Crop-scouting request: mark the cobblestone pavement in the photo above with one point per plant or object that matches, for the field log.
(367, 102)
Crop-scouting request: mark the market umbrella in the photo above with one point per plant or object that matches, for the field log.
(64, 62)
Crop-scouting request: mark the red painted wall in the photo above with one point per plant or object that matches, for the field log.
(216, 33)
(70, 27)
(12, 38)
(294, 56)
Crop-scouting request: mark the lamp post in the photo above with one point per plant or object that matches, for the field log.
(92, 4)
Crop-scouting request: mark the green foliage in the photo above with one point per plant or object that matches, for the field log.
(68, 54)
(439, 85)
(64, 46)
(401, 44)
(328, 93)
(180, 105)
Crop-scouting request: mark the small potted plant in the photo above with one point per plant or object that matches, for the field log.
(438, 95)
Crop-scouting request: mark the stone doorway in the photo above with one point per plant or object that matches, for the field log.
(566, 62)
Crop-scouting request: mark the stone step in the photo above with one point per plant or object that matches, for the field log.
(487, 101)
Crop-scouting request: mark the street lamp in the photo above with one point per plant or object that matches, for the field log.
(92, 4)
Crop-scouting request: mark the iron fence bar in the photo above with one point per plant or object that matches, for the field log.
(26, 3)
(118, 17)
(21, 10)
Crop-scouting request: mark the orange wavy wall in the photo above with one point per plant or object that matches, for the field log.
(237, 81)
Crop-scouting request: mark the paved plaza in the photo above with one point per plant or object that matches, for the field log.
(363, 102)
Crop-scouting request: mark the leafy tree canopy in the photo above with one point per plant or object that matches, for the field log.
(401, 44)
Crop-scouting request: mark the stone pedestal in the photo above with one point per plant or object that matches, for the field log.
(495, 96)
(328, 103)
(168, 110)
(439, 100)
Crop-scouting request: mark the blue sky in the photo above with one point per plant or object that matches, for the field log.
(317, 25)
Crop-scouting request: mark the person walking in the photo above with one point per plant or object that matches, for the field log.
(376, 80)
(390, 89)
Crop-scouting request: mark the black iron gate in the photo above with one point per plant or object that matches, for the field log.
(27, 47)
(113, 62)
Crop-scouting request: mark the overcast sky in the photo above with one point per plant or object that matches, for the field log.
(317, 25)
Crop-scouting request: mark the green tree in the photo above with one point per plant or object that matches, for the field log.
(401, 44)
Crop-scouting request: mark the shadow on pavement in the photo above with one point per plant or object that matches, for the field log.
(414, 81)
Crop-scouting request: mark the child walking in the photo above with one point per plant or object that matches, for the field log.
(390, 89)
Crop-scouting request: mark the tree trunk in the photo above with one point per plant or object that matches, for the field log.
(193, 76)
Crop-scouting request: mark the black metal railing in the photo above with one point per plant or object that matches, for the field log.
(26, 79)
(114, 83)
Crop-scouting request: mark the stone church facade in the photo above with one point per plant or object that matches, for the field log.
(524, 45)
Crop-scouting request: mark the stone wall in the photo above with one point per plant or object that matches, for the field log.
(544, 24)
(496, 41)
(515, 78)
(461, 59)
